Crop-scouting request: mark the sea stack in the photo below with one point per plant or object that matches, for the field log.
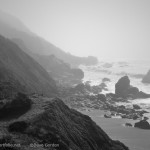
(124, 89)
(122, 86)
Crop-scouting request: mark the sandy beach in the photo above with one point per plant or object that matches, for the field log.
(134, 138)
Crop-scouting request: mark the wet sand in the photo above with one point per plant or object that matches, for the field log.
(134, 138)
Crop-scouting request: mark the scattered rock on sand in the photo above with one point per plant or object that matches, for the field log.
(107, 116)
(143, 124)
(128, 124)
(135, 106)
(122, 86)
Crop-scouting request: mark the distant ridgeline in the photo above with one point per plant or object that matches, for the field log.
(59, 70)
(13, 28)
(60, 65)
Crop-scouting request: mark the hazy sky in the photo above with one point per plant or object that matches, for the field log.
(104, 28)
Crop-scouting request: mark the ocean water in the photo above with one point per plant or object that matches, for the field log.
(134, 138)
(114, 71)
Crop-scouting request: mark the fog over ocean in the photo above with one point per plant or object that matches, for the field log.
(135, 139)
(114, 70)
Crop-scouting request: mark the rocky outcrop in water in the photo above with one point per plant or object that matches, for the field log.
(122, 86)
(125, 90)
(135, 106)
(128, 124)
(143, 124)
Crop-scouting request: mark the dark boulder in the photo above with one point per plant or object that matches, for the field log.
(143, 124)
(128, 124)
(122, 86)
(135, 106)
(125, 90)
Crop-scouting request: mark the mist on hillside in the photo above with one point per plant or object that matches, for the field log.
(74, 74)
(106, 29)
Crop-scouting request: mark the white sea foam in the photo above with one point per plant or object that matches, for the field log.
(134, 69)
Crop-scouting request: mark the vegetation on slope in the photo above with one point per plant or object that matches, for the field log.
(64, 127)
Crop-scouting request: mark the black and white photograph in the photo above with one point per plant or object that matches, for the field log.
(74, 74)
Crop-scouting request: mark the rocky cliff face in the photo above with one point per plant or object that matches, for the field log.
(65, 127)
(124, 89)
(59, 70)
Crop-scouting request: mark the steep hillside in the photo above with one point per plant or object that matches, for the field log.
(55, 126)
(21, 71)
(39, 45)
(59, 70)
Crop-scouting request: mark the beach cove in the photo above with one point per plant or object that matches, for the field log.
(134, 138)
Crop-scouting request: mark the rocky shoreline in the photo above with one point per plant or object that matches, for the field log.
(84, 96)
(48, 120)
